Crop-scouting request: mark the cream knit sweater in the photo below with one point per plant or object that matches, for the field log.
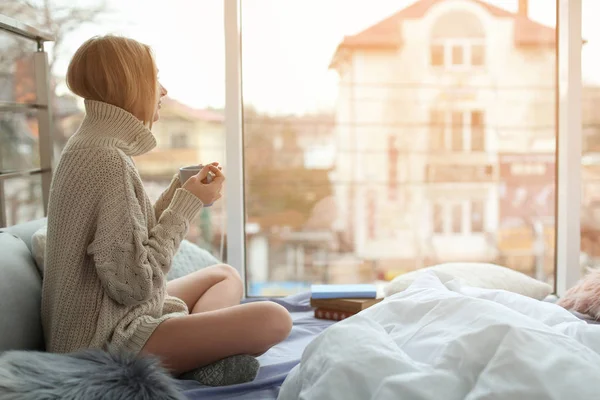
(108, 249)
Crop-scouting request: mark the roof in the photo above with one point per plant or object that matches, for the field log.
(194, 113)
(386, 34)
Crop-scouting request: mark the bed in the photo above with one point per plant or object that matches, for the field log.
(276, 363)
(472, 343)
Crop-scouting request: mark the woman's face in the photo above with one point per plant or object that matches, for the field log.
(162, 92)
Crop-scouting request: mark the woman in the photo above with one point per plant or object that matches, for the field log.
(109, 249)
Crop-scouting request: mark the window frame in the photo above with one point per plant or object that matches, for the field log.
(447, 208)
(466, 128)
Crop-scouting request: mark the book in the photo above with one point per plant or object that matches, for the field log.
(360, 291)
(333, 315)
(348, 305)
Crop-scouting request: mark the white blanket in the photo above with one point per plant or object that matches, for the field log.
(442, 341)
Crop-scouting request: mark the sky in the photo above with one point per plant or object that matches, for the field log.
(287, 45)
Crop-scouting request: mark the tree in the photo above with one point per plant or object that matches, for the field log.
(55, 17)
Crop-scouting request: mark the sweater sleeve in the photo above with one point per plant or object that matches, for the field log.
(165, 198)
(130, 260)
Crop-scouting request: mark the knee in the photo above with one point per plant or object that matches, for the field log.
(278, 322)
(231, 274)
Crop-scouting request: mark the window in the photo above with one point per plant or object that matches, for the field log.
(477, 216)
(432, 113)
(457, 131)
(179, 141)
(464, 217)
(477, 55)
(437, 127)
(437, 55)
(457, 41)
(457, 54)
(438, 218)
(392, 168)
(477, 131)
(371, 216)
(456, 218)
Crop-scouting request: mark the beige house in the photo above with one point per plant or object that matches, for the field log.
(430, 101)
(184, 136)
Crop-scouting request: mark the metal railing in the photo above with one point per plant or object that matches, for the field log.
(42, 107)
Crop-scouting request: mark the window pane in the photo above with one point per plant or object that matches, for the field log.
(456, 218)
(437, 126)
(300, 199)
(23, 199)
(457, 55)
(392, 168)
(477, 131)
(477, 216)
(17, 74)
(477, 55)
(438, 218)
(19, 149)
(437, 55)
(458, 131)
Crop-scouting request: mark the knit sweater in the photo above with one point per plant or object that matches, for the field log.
(108, 248)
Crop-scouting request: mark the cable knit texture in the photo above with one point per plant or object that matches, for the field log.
(108, 248)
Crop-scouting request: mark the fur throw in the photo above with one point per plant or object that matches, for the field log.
(89, 374)
(584, 297)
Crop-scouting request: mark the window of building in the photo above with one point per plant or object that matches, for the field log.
(457, 131)
(392, 168)
(457, 53)
(477, 216)
(179, 141)
(458, 217)
(437, 54)
(457, 41)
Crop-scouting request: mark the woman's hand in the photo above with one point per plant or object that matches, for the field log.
(199, 186)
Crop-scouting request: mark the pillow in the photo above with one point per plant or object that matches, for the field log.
(189, 257)
(38, 248)
(584, 297)
(481, 275)
(20, 294)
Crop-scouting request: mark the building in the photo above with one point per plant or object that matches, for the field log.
(184, 136)
(434, 101)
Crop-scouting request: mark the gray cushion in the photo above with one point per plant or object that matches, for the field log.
(190, 258)
(26, 230)
(20, 297)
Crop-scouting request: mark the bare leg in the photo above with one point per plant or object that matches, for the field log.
(197, 340)
(208, 289)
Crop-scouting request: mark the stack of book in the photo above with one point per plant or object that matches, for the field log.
(338, 302)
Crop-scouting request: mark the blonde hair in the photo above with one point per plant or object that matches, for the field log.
(116, 70)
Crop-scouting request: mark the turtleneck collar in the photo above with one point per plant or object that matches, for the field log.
(106, 125)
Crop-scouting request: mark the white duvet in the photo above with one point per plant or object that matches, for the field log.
(445, 341)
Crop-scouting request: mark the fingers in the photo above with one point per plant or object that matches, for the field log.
(204, 172)
(219, 177)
